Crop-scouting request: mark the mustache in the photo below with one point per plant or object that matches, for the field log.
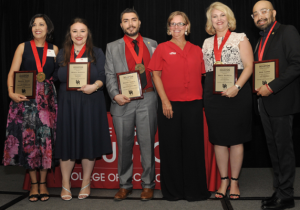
(130, 27)
(261, 20)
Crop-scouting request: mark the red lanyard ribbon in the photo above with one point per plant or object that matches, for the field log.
(262, 50)
(79, 55)
(218, 51)
(138, 58)
(36, 55)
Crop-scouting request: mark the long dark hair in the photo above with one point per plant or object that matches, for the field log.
(67, 45)
(50, 26)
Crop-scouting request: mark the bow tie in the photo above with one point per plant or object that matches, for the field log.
(262, 33)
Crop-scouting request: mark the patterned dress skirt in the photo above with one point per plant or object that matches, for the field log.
(30, 129)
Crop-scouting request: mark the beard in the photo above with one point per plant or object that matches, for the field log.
(134, 33)
(263, 27)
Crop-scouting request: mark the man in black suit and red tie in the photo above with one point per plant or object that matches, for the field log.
(279, 100)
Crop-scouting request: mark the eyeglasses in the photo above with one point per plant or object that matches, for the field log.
(261, 12)
(180, 24)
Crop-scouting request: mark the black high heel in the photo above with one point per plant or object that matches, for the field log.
(44, 195)
(238, 196)
(218, 193)
(37, 196)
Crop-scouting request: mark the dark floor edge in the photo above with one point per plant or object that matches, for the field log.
(106, 197)
(133, 198)
(13, 202)
(261, 198)
(226, 204)
(12, 193)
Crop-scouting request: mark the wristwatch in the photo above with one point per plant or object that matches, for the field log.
(238, 87)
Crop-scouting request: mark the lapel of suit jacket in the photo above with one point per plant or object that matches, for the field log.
(271, 38)
(257, 44)
(122, 53)
(148, 44)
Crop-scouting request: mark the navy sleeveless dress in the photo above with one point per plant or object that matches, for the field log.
(31, 125)
(82, 126)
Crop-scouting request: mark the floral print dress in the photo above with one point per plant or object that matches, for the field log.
(31, 125)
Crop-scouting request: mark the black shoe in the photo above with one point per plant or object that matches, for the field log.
(221, 194)
(235, 195)
(279, 204)
(37, 196)
(44, 195)
(268, 200)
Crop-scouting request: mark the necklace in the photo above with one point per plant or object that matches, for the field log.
(77, 52)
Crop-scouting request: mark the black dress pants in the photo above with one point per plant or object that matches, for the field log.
(279, 131)
(181, 146)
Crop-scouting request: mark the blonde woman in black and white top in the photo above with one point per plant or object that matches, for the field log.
(229, 114)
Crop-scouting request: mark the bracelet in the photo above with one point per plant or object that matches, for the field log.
(237, 86)
(96, 85)
(269, 88)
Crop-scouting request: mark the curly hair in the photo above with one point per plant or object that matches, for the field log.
(228, 12)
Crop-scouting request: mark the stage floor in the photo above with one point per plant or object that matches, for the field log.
(255, 184)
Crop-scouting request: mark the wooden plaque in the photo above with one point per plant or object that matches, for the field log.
(78, 74)
(225, 76)
(25, 83)
(130, 84)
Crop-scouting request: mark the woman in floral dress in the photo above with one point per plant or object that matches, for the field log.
(31, 123)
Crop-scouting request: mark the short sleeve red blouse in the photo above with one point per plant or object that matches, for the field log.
(181, 70)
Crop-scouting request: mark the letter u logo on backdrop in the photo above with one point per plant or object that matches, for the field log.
(114, 154)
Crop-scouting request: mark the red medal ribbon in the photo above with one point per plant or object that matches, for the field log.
(138, 58)
(79, 55)
(217, 51)
(36, 55)
(262, 50)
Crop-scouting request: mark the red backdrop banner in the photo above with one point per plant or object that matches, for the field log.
(105, 173)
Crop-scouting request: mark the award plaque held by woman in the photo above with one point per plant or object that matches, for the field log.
(31, 124)
(229, 115)
(82, 126)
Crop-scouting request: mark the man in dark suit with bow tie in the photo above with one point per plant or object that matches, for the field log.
(279, 100)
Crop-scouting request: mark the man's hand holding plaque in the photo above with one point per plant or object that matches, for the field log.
(121, 99)
(130, 86)
(264, 72)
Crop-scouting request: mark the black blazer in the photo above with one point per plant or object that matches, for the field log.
(283, 44)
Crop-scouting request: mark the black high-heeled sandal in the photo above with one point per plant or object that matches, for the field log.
(44, 195)
(238, 196)
(37, 196)
(218, 193)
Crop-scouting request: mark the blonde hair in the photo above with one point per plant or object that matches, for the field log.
(223, 8)
(184, 16)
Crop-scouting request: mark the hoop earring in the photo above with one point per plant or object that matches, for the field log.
(228, 25)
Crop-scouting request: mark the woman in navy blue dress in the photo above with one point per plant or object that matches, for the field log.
(82, 126)
(31, 124)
